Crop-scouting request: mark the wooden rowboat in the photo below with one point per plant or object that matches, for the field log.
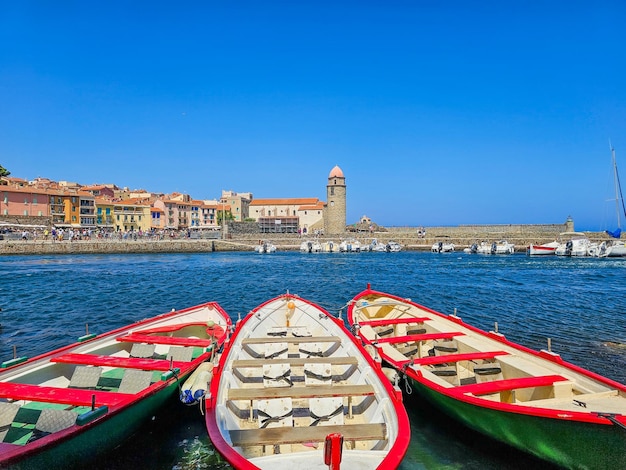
(292, 384)
(534, 401)
(65, 407)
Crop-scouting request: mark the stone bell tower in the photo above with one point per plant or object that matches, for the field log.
(335, 212)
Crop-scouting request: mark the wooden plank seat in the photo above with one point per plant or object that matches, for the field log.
(393, 321)
(293, 340)
(496, 386)
(421, 337)
(445, 358)
(301, 434)
(297, 361)
(167, 340)
(114, 361)
(66, 396)
(299, 392)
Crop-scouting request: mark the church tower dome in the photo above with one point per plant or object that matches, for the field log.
(335, 213)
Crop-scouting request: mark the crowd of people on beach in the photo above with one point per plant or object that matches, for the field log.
(61, 234)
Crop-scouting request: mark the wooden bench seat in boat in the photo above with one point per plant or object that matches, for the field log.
(292, 340)
(115, 361)
(167, 340)
(391, 321)
(445, 358)
(296, 361)
(301, 434)
(420, 337)
(299, 392)
(66, 396)
(496, 386)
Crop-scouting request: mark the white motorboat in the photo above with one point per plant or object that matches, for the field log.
(310, 246)
(501, 247)
(329, 247)
(442, 247)
(574, 244)
(544, 249)
(377, 246)
(350, 246)
(393, 247)
(265, 246)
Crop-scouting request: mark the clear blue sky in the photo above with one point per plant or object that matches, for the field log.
(439, 113)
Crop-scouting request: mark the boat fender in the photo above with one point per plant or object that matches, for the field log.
(196, 386)
(392, 375)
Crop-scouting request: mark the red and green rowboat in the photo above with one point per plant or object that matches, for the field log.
(534, 401)
(72, 404)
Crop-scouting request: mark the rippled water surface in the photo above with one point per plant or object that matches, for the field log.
(48, 301)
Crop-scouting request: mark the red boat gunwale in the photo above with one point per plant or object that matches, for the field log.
(420, 337)
(122, 362)
(397, 321)
(444, 358)
(66, 396)
(167, 340)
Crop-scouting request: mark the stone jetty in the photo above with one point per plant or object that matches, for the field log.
(411, 238)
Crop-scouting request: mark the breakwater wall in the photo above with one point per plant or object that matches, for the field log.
(408, 237)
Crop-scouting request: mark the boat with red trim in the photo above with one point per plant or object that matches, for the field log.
(67, 406)
(543, 250)
(534, 401)
(294, 389)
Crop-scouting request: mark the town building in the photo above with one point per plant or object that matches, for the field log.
(239, 204)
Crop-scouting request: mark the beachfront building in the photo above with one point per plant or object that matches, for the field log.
(157, 218)
(131, 216)
(100, 190)
(287, 215)
(176, 209)
(56, 201)
(239, 204)
(24, 201)
(104, 213)
(79, 208)
(335, 213)
(208, 214)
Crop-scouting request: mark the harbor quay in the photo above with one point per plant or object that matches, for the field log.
(410, 238)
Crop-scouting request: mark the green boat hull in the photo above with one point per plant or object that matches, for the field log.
(101, 437)
(571, 444)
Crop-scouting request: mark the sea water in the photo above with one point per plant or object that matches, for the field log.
(49, 301)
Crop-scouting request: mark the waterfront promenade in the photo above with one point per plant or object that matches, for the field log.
(407, 237)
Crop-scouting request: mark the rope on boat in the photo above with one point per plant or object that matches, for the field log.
(276, 354)
(407, 384)
(325, 418)
(284, 377)
(321, 377)
(272, 419)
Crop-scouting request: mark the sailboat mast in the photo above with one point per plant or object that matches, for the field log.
(618, 189)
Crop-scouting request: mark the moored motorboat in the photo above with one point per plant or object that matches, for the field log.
(265, 246)
(544, 249)
(442, 247)
(501, 247)
(534, 401)
(66, 407)
(574, 244)
(393, 247)
(350, 245)
(294, 389)
(310, 246)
